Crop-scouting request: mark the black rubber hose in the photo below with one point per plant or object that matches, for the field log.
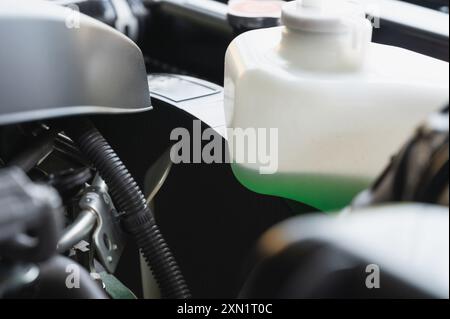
(138, 219)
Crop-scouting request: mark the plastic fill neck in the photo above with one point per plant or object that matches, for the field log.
(326, 34)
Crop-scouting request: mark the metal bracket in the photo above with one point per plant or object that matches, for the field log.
(109, 240)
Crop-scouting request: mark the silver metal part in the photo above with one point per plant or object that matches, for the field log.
(154, 180)
(77, 231)
(202, 99)
(206, 12)
(98, 218)
(204, 8)
(108, 238)
(395, 11)
(157, 175)
(126, 22)
(55, 61)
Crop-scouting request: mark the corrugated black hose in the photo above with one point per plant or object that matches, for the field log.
(138, 219)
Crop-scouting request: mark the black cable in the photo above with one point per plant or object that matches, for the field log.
(68, 180)
(129, 199)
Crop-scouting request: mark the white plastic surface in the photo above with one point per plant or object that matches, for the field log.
(322, 15)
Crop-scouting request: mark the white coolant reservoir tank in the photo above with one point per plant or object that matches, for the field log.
(316, 110)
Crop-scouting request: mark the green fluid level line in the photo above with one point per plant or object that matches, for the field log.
(324, 192)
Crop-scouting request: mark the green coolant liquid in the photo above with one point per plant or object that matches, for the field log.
(323, 192)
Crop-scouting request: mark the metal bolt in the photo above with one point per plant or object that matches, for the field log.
(106, 199)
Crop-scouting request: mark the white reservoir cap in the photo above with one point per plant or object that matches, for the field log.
(330, 16)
